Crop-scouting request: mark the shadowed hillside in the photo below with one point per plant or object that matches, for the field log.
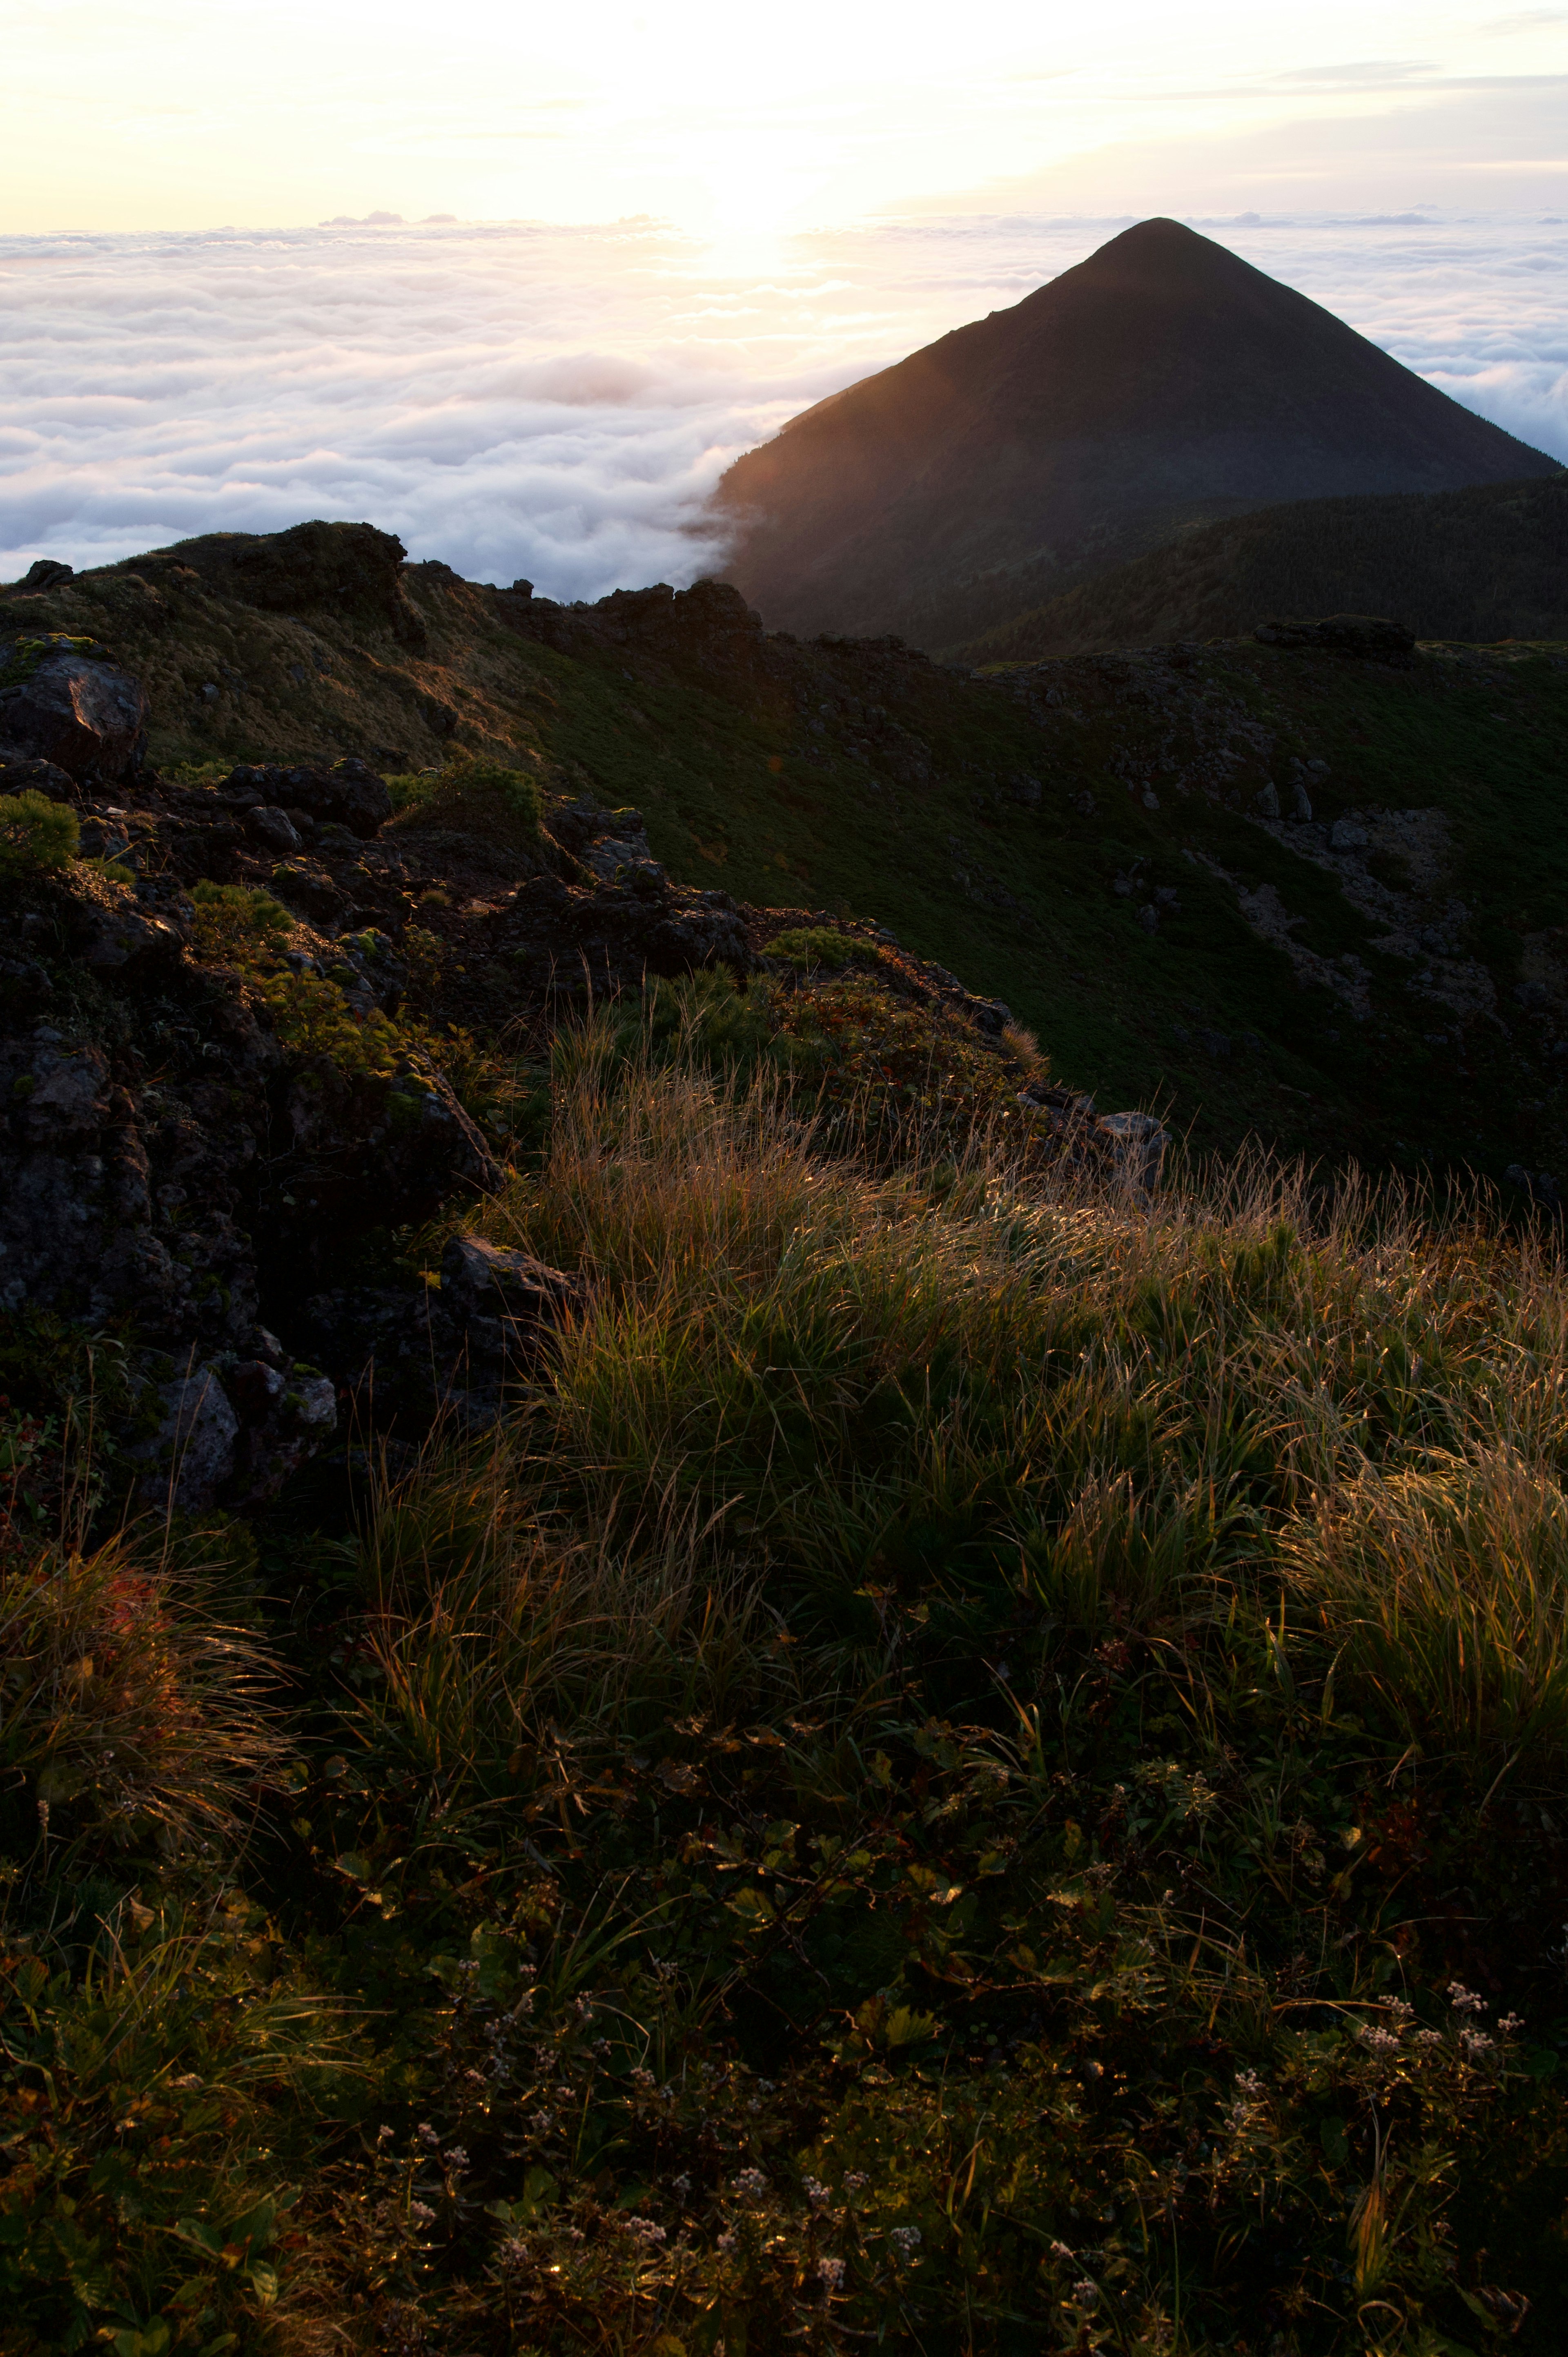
(1480, 565)
(1162, 383)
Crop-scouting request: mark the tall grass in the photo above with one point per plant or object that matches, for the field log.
(847, 1368)
(912, 1791)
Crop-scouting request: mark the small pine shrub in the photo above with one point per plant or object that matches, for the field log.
(809, 946)
(239, 923)
(36, 834)
(311, 1016)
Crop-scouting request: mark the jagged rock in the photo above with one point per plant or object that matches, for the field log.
(565, 941)
(453, 1349)
(1347, 835)
(511, 1288)
(284, 1416)
(1344, 634)
(1540, 1186)
(1266, 801)
(349, 568)
(1138, 1146)
(47, 573)
(80, 712)
(114, 934)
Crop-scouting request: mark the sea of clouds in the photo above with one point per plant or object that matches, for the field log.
(556, 403)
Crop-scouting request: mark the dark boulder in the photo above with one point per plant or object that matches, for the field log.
(350, 795)
(47, 573)
(79, 711)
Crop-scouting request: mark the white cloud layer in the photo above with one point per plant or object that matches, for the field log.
(557, 403)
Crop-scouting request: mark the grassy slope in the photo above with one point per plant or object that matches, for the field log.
(1481, 565)
(979, 1772)
(757, 788)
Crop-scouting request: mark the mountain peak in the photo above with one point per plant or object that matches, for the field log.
(1163, 382)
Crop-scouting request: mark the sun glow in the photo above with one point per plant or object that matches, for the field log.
(189, 113)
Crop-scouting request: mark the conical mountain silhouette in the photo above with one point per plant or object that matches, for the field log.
(1161, 383)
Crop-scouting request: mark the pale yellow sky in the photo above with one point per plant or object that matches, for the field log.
(137, 114)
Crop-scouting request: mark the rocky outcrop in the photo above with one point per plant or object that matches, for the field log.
(67, 704)
(451, 1347)
(1342, 634)
(346, 568)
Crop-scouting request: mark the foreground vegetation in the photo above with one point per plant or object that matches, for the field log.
(973, 1767)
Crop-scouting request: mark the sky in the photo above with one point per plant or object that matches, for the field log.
(518, 282)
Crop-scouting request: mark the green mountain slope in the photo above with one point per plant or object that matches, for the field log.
(1486, 564)
(1092, 841)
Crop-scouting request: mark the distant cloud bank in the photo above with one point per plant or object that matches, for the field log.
(558, 403)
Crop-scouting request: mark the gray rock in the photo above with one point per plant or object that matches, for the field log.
(1149, 918)
(1346, 835)
(1266, 801)
(272, 828)
(122, 934)
(194, 1448)
(80, 712)
(480, 1280)
(1138, 1144)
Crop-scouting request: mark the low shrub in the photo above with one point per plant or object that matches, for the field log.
(470, 793)
(821, 945)
(312, 1017)
(239, 923)
(37, 835)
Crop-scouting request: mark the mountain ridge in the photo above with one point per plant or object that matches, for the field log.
(1479, 565)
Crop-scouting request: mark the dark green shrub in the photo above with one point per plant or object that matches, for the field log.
(36, 834)
(485, 797)
(239, 922)
(809, 945)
